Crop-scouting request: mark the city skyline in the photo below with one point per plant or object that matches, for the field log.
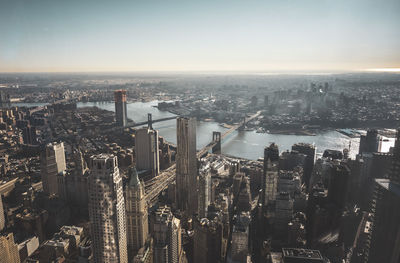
(261, 36)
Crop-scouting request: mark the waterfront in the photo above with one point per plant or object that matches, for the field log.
(245, 144)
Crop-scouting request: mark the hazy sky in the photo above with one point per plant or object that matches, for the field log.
(222, 35)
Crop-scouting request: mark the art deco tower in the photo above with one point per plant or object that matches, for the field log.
(136, 214)
(107, 210)
(186, 165)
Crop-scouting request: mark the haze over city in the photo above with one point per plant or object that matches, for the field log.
(263, 36)
(200, 131)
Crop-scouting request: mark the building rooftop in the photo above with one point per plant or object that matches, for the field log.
(301, 253)
(389, 185)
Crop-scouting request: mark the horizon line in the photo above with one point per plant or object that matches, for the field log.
(393, 70)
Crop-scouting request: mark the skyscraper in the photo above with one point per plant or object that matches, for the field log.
(240, 238)
(186, 165)
(394, 173)
(120, 107)
(52, 163)
(167, 237)
(382, 244)
(136, 214)
(270, 174)
(204, 192)
(147, 150)
(8, 249)
(370, 143)
(107, 210)
(309, 150)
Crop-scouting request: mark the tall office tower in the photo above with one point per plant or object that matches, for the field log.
(271, 157)
(382, 244)
(309, 150)
(370, 143)
(186, 165)
(240, 238)
(271, 152)
(338, 185)
(270, 183)
(52, 163)
(204, 192)
(147, 150)
(29, 134)
(2, 219)
(120, 107)
(283, 212)
(207, 240)
(167, 237)
(244, 198)
(73, 185)
(107, 210)
(394, 173)
(8, 249)
(289, 181)
(136, 214)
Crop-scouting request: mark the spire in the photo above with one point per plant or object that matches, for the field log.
(133, 177)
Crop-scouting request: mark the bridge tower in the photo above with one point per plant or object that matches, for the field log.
(216, 139)
(150, 121)
(241, 127)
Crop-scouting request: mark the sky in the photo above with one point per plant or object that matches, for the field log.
(218, 35)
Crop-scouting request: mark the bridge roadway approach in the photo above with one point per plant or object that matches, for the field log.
(156, 185)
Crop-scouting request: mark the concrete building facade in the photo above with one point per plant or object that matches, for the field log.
(107, 210)
(147, 150)
(186, 165)
(52, 163)
(120, 107)
(167, 237)
(136, 214)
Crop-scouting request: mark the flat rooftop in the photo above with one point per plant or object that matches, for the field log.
(301, 253)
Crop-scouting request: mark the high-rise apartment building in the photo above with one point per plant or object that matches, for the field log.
(120, 107)
(52, 163)
(147, 150)
(167, 237)
(136, 214)
(8, 249)
(107, 210)
(186, 165)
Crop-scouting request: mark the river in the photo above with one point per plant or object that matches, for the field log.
(245, 144)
